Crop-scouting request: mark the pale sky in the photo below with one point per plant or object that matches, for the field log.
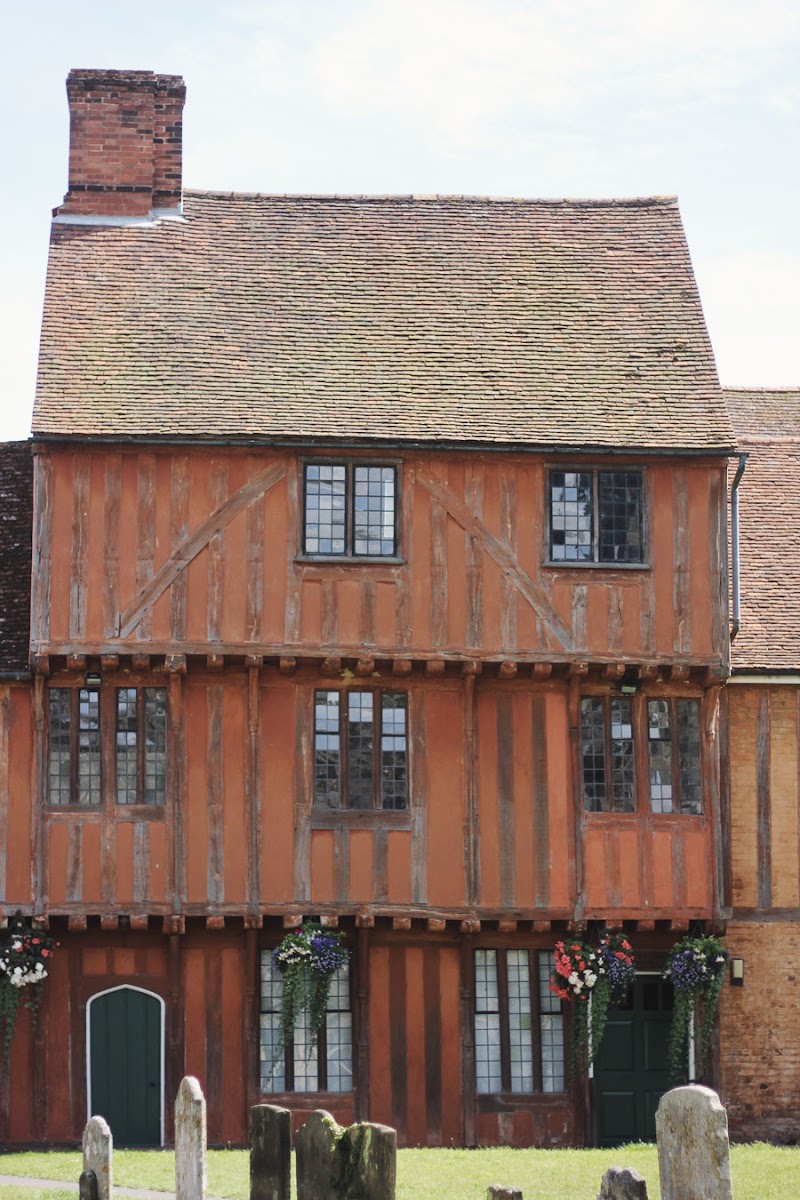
(694, 98)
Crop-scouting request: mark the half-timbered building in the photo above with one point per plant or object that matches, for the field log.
(380, 578)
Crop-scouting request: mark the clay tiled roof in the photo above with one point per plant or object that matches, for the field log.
(768, 424)
(16, 521)
(552, 323)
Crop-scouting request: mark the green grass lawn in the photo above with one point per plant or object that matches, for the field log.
(760, 1172)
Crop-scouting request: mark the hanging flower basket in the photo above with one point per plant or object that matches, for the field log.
(307, 959)
(595, 980)
(24, 961)
(696, 970)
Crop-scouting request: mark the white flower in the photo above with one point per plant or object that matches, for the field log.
(17, 970)
(720, 958)
(573, 979)
(591, 979)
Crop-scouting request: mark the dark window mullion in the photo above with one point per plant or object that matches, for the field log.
(674, 745)
(74, 744)
(609, 804)
(141, 737)
(595, 516)
(322, 1056)
(344, 757)
(502, 1004)
(536, 1023)
(350, 510)
(377, 748)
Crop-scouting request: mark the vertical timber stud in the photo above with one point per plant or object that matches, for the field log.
(712, 790)
(174, 1066)
(362, 1112)
(250, 1033)
(763, 807)
(176, 766)
(471, 839)
(38, 791)
(253, 790)
(576, 850)
(467, 1040)
(725, 887)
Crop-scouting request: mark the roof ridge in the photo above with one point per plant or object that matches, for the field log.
(550, 201)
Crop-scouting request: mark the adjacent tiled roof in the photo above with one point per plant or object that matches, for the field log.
(768, 424)
(16, 523)
(552, 323)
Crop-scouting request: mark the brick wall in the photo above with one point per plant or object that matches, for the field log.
(760, 1033)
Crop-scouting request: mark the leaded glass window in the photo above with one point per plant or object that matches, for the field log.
(74, 767)
(141, 745)
(674, 756)
(361, 749)
(519, 1035)
(350, 510)
(596, 516)
(607, 757)
(324, 1066)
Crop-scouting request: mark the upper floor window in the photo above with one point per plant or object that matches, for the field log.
(74, 768)
(324, 1065)
(519, 1028)
(81, 719)
(361, 749)
(596, 516)
(609, 783)
(141, 740)
(608, 732)
(674, 756)
(350, 510)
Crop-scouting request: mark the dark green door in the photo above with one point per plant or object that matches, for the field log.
(125, 1065)
(631, 1072)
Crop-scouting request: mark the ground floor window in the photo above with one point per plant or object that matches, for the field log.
(519, 1027)
(324, 1066)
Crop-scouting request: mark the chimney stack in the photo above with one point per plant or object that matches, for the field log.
(124, 145)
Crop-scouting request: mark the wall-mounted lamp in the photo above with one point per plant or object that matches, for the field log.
(629, 689)
(737, 972)
(93, 679)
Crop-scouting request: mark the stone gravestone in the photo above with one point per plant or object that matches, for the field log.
(693, 1151)
(98, 1146)
(190, 1141)
(496, 1191)
(621, 1183)
(357, 1163)
(270, 1152)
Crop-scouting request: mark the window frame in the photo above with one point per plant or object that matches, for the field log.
(74, 803)
(640, 730)
(322, 1041)
(596, 562)
(349, 555)
(535, 956)
(607, 702)
(106, 692)
(141, 746)
(344, 808)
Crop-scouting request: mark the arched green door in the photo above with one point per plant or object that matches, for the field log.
(125, 1064)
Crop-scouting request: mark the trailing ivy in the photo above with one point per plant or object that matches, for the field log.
(307, 959)
(696, 970)
(24, 958)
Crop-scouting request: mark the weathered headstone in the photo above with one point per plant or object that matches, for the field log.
(622, 1183)
(694, 1159)
(87, 1186)
(355, 1163)
(316, 1158)
(369, 1162)
(190, 1141)
(98, 1147)
(270, 1152)
(496, 1191)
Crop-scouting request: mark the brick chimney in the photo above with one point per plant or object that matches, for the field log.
(124, 144)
